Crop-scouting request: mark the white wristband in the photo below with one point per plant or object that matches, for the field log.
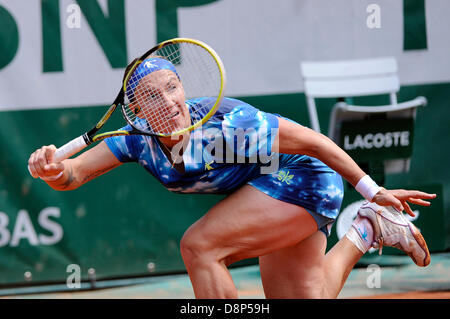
(52, 178)
(367, 187)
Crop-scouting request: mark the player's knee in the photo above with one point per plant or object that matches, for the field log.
(194, 248)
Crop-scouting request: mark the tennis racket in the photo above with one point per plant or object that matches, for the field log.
(143, 97)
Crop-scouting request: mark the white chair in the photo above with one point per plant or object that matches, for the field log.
(353, 78)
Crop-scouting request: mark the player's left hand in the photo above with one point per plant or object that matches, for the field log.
(399, 198)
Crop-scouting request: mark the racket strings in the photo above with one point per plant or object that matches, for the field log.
(157, 101)
(151, 109)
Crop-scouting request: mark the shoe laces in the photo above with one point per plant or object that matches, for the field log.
(380, 243)
(380, 246)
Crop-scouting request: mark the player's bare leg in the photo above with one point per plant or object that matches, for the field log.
(305, 271)
(339, 262)
(295, 271)
(246, 224)
(293, 262)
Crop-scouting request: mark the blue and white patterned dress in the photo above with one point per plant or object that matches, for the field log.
(232, 149)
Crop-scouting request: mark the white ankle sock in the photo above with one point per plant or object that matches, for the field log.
(361, 234)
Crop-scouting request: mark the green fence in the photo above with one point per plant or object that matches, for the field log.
(125, 223)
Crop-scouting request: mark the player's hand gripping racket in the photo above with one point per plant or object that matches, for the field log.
(186, 68)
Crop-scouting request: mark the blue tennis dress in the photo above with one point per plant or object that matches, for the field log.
(231, 149)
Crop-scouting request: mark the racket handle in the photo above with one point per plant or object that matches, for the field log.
(69, 149)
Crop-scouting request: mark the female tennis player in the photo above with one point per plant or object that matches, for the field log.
(284, 188)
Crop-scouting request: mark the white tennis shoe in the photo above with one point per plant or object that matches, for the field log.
(391, 228)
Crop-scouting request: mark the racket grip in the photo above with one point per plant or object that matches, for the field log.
(69, 149)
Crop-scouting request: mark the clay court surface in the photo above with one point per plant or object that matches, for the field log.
(412, 295)
(400, 278)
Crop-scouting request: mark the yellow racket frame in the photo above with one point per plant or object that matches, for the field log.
(222, 81)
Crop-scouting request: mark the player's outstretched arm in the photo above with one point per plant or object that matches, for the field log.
(71, 173)
(296, 139)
